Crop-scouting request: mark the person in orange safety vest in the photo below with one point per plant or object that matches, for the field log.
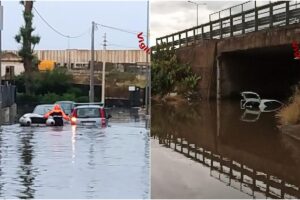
(57, 111)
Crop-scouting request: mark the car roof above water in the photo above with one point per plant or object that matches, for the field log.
(88, 106)
(57, 102)
(45, 105)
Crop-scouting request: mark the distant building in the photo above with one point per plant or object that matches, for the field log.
(77, 59)
(12, 65)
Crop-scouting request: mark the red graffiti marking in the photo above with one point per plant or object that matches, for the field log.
(142, 45)
(295, 46)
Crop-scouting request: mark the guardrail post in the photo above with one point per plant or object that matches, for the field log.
(243, 20)
(186, 39)
(202, 32)
(221, 29)
(256, 17)
(173, 41)
(210, 30)
(221, 26)
(287, 12)
(179, 40)
(271, 15)
(231, 24)
(194, 34)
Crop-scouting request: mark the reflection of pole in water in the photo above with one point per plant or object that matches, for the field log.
(26, 173)
(73, 143)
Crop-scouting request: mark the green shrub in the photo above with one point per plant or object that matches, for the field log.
(49, 98)
(82, 99)
(168, 75)
(23, 98)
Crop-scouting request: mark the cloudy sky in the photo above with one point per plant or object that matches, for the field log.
(75, 18)
(171, 16)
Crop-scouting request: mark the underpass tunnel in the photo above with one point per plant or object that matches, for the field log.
(271, 72)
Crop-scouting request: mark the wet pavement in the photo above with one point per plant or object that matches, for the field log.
(68, 162)
(212, 150)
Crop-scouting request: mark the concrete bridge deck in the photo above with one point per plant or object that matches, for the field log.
(249, 50)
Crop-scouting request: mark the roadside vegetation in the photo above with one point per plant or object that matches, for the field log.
(48, 87)
(290, 114)
(27, 41)
(170, 76)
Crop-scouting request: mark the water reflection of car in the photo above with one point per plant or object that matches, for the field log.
(89, 115)
(67, 106)
(37, 116)
(250, 115)
(252, 100)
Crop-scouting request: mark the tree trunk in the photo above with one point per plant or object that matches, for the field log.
(27, 45)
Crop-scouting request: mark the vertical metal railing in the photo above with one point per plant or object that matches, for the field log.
(249, 18)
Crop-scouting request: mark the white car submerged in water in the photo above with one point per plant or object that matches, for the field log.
(252, 100)
(37, 116)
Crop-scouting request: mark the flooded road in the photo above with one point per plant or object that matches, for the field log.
(210, 151)
(65, 162)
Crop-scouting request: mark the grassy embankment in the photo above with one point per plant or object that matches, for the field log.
(290, 113)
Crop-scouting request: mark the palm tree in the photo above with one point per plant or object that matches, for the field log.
(27, 41)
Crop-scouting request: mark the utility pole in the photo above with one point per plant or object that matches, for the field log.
(148, 111)
(103, 70)
(197, 6)
(69, 54)
(91, 94)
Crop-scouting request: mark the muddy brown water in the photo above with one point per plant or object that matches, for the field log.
(220, 151)
(67, 162)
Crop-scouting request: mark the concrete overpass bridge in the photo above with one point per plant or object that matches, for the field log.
(250, 48)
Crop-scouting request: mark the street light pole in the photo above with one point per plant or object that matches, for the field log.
(103, 71)
(148, 63)
(91, 94)
(197, 5)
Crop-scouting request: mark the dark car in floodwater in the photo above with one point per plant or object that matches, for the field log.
(67, 106)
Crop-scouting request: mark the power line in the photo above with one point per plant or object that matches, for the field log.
(55, 30)
(119, 29)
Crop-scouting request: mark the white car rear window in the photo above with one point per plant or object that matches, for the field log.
(88, 113)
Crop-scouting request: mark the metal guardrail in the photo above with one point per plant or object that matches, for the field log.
(273, 14)
(8, 95)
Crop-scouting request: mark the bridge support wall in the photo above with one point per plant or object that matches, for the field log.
(259, 61)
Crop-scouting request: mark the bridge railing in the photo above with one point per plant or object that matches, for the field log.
(8, 95)
(246, 20)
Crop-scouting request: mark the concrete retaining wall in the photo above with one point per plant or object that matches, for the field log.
(8, 114)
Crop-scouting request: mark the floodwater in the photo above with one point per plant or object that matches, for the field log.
(215, 150)
(68, 162)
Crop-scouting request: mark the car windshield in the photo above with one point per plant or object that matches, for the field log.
(251, 96)
(88, 113)
(42, 109)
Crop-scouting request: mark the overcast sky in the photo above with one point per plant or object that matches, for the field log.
(171, 16)
(74, 18)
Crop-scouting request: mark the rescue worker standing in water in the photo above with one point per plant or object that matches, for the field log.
(57, 113)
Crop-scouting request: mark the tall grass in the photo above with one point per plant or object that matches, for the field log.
(290, 114)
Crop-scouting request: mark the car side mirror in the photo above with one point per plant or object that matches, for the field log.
(108, 116)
